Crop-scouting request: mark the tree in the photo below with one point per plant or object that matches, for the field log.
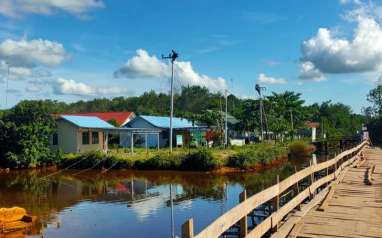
(25, 132)
(283, 109)
(374, 115)
(375, 97)
(337, 120)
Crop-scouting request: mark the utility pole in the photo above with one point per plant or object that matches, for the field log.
(258, 88)
(172, 56)
(226, 120)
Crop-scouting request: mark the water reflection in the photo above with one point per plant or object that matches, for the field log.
(126, 203)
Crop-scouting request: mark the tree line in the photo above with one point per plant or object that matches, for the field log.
(25, 128)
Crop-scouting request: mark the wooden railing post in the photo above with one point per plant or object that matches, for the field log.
(296, 189)
(188, 229)
(244, 220)
(276, 205)
(312, 193)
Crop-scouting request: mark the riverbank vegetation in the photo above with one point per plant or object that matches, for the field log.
(249, 157)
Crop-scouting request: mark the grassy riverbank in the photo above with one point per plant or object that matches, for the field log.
(249, 157)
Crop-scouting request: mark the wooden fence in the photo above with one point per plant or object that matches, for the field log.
(238, 215)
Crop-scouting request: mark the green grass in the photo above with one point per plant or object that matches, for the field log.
(195, 159)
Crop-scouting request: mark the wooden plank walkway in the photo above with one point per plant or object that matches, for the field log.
(354, 209)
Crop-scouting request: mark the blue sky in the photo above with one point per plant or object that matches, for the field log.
(82, 49)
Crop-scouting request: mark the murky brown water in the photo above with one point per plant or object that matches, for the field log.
(125, 203)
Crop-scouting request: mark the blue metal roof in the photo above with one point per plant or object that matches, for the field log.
(87, 122)
(164, 122)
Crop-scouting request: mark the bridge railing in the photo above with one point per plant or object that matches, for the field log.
(237, 216)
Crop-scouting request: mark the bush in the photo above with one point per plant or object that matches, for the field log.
(201, 160)
(252, 155)
(160, 161)
(122, 161)
(300, 149)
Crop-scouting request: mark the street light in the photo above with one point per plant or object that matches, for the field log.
(291, 122)
(258, 88)
(226, 120)
(172, 56)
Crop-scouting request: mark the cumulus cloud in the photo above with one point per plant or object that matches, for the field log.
(308, 71)
(263, 79)
(143, 65)
(15, 73)
(63, 86)
(32, 53)
(18, 8)
(328, 53)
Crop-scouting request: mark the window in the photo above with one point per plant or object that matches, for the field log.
(85, 138)
(55, 139)
(95, 137)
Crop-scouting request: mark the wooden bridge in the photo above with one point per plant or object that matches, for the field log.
(341, 197)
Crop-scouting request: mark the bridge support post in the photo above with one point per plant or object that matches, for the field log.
(188, 229)
(244, 220)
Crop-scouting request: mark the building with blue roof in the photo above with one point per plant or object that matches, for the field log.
(77, 134)
(185, 131)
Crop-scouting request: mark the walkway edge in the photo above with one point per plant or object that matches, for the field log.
(294, 218)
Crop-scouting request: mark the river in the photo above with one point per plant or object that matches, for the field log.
(126, 203)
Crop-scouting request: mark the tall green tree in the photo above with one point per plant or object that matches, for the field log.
(25, 132)
(375, 97)
(285, 110)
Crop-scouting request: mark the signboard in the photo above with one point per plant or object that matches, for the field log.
(179, 140)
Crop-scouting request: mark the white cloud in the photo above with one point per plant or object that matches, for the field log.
(63, 86)
(18, 8)
(15, 73)
(308, 71)
(32, 53)
(71, 87)
(263, 79)
(143, 65)
(344, 2)
(328, 53)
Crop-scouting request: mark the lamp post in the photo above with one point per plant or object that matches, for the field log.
(258, 89)
(291, 122)
(172, 56)
(226, 120)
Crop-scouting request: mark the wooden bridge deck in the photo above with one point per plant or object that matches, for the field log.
(354, 210)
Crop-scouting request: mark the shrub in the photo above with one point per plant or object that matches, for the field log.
(122, 161)
(252, 155)
(201, 160)
(300, 149)
(160, 161)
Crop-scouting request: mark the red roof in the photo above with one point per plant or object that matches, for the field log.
(120, 117)
(312, 124)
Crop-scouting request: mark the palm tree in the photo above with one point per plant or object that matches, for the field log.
(286, 112)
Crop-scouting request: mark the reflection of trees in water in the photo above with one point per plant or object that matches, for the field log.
(46, 198)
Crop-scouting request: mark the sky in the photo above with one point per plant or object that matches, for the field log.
(70, 50)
